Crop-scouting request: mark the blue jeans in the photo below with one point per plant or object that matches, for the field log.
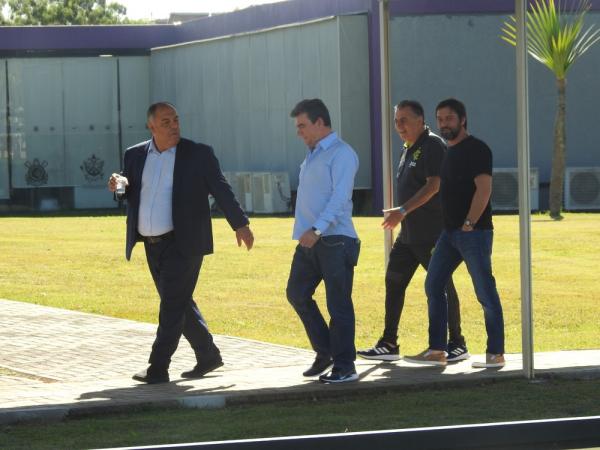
(331, 260)
(475, 249)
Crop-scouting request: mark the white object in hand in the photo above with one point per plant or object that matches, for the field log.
(121, 183)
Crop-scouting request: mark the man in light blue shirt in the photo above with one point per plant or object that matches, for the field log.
(328, 245)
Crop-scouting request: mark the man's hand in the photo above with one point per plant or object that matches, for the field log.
(467, 226)
(112, 181)
(308, 239)
(244, 234)
(392, 217)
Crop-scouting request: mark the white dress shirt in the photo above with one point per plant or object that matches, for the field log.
(156, 197)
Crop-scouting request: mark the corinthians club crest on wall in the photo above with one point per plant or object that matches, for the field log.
(36, 173)
(93, 169)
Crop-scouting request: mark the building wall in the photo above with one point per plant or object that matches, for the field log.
(4, 161)
(236, 93)
(64, 122)
(438, 56)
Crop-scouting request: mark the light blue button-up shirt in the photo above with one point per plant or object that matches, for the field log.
(324, 198)
(156, 208)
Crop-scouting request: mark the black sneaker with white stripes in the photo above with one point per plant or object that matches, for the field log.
(457, 352)
(383, 351)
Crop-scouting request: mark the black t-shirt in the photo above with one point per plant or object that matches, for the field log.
(464, 161)
(423, 159)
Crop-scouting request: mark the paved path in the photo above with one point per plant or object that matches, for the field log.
(55, 363)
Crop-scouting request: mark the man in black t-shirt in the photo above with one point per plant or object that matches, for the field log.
(418, 182)
(465, 190)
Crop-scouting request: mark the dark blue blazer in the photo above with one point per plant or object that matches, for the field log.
(196, 175)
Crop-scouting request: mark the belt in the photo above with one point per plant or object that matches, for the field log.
(157, 239)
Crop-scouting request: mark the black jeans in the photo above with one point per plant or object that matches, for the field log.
(175, 277)
(404, 261)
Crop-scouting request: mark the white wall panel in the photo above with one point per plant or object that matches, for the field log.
(36, 108)
(134, 77)
(207, 104)
(259, 142)
(91, 120)
(224, 117)
(64, 123)
(4, 186)
(236, 93)
(162, 87)
(355, 93)
(277, 118)
(434, 57)
(240, 108)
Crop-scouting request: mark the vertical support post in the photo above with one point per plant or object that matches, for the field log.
(119, 118)
(524, 201)
(387, 178)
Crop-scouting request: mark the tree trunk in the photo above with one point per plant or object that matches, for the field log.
(558, 159)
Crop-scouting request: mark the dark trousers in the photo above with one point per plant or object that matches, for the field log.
(331, 260)
(404, 261)
(175, 277)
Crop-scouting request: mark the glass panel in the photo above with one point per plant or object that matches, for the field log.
(4, 181)
(36, 119)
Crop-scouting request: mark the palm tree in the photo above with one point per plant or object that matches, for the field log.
(556, 41)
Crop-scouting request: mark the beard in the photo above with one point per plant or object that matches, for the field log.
(450, 133)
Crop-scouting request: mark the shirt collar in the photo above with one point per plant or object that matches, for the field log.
(327, 141)
(152, 148)
(419, 140)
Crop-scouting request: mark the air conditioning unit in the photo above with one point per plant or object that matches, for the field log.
(582, 188)
(241, 184)
(271, 192)
(505, 189)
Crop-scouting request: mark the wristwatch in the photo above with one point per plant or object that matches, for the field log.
(317, 231)
(468, 223)
(402, 210)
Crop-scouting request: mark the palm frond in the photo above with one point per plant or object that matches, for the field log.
(555, 36)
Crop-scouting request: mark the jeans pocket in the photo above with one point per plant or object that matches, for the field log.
(352, 252)
(332, 241)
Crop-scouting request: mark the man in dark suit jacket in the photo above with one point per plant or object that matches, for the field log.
(168, 180)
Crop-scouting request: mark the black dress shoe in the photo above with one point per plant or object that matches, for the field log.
(320, 365)
(203, 368)
(152, 376)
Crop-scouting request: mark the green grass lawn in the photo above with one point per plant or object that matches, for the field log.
(479, 403)
(78, 263)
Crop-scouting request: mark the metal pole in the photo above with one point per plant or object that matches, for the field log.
(388, 184)
(524, 202)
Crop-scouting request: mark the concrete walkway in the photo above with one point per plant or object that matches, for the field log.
(56, 363)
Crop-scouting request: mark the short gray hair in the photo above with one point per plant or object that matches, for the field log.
(156, 106)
